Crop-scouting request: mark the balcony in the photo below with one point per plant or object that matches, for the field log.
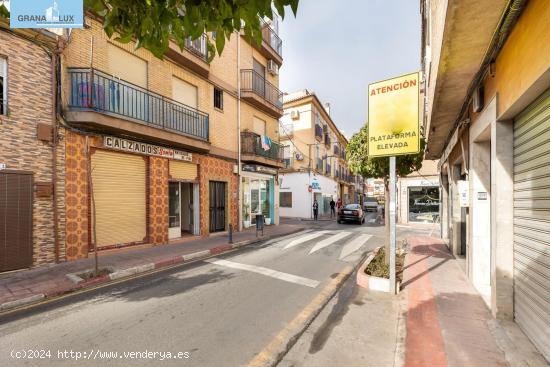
(260, 93)
(327, 140)
(194, 55)
(286, 130)
(272, 45)
(255, 151)
(318, 132)
(104, 102)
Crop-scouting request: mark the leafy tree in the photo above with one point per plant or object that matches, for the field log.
(153, 23)
(379, 167)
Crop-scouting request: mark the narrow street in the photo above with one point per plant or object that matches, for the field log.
(223, 311)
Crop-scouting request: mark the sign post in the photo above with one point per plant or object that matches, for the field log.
(392, 224)
(394, 129)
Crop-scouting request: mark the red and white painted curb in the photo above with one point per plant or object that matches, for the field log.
(80, 283)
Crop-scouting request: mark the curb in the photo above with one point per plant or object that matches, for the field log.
(124, 273)
(274, 352)
(371, 282)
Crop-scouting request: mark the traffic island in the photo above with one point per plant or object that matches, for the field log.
(374, 273)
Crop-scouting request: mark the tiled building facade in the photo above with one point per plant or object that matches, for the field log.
(26, 138)
(147, 149)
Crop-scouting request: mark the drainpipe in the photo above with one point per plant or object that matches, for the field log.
(239, 214)
(53, 70)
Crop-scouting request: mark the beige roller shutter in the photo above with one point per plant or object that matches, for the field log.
(259, 126)
(126, 66)
(119, 191)
(184, 92)
(532, 222)
(183, 170)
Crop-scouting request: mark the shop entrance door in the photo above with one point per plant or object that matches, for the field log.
(181, 207)
(217, 206)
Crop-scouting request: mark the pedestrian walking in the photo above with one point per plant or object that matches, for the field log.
(338, 204)
(332, 208)
(315, 209)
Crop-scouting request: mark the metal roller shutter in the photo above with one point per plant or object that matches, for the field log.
(119, 191)
(532, 222)
(183, 170)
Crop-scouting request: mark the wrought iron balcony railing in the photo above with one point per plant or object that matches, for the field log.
(199, 47)
(252, 144)
(252, 81)
(271, 37)
(94, 90)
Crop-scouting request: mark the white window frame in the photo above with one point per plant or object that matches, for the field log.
(4, 74)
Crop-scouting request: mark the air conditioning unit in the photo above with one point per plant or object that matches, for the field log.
(299, 157)
(272, 67)
(295, 114)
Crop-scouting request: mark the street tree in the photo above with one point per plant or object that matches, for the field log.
(152, 24)
(379, 167)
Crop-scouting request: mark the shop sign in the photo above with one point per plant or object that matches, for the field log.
(260, 169)
(146, 149)
(46, 14)
(394, 116)
(315, 185)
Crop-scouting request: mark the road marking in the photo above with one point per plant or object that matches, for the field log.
(303, 239)
(286, 238)
(287, 337)
(372, 220)
(267, 272)
(329, 241)
(354, 245)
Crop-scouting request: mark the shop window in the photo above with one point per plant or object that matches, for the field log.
(3, 86)
(285, 199)
(424, 204)
(218, 98)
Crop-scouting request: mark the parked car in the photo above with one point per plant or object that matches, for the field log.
(371, 203)
(351, 213)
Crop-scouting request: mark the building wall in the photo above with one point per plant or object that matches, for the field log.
(215, 169)
(521, 74)
(302, 199)
(29, 103)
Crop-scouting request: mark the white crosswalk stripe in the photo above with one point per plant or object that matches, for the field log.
(291, 278)
(354, 245)
(305, 238)
(329, 241)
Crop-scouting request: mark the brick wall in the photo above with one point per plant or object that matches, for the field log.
(215, 169)
(29, 103)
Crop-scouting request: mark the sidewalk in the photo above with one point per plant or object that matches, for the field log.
(27, 286)
(437, 320)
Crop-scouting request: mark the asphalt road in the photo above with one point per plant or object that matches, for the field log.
(224, 311)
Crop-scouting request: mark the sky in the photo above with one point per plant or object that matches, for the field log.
(335, 48)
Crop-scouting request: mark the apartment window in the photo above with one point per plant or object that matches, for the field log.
(3, 86)
(218, 98)
(285, 199)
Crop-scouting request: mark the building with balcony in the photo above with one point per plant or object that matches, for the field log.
(487, 122)
(313, 153)
(151, 147)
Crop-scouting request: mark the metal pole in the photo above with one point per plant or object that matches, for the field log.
(391, 217)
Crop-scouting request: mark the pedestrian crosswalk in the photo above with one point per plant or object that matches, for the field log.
(349, 242)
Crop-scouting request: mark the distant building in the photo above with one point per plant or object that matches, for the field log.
(315, 158)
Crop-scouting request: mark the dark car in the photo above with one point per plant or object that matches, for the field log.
(351, 213)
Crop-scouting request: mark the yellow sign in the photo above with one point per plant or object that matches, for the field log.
(394, 116)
